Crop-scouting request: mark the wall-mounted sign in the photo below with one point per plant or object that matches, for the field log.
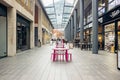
(115, 13)
(112, 14)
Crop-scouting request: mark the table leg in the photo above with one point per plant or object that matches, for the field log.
(54, 56)
(66, 55)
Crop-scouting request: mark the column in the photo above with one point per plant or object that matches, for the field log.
(40, 25)
(32, 34)
(69, 31)
(71, 28)
(65, 33)
(75, 24)
(11, 16)
(95, 26)
(81, 25)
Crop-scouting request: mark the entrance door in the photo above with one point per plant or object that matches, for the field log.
(36, 36)
(23, 34)
(22, 38)
(119, 49)
(110, 37)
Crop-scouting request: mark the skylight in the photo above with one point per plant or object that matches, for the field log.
(58, 11)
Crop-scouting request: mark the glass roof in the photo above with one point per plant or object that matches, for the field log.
(58, 11)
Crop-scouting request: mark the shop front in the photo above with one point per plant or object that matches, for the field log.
(111, 22)
(3, 31)
(23, 34)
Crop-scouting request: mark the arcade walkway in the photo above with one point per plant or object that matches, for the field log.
(35, 64)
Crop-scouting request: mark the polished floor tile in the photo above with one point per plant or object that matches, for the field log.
(35, 64)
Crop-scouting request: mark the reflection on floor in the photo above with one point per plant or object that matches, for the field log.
(36, 64)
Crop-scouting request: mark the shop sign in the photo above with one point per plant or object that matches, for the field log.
(115, 13)
(111, 15)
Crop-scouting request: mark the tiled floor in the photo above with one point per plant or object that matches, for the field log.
(36, 64)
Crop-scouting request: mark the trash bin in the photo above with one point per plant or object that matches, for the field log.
(39, 43)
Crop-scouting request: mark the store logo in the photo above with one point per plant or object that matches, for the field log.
(115, 13)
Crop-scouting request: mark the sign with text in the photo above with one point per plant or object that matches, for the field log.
(112, 14)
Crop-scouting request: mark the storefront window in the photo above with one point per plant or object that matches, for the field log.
(101, 10)
(119, 26)
(118, 50)
(3, 30)
(117, 2)
(89, 18)
(113, 3)
(109, 37)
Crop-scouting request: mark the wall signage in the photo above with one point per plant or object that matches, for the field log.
(115, 13)
(112, 14)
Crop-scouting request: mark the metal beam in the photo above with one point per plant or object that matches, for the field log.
(65, 17)
(68, 6)
(51, 14)
(67, 13)
(49, 7)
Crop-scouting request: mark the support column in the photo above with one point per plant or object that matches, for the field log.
(75, 24)
(32, 34)
(40, 25)
(67, 32)
(71, 28)
(11, 13)
(95, 26)
(81, 25)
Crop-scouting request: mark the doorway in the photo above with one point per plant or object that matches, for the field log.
(23, 34)
(36, 36)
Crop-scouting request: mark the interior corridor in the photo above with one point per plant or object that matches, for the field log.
(35, 64)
